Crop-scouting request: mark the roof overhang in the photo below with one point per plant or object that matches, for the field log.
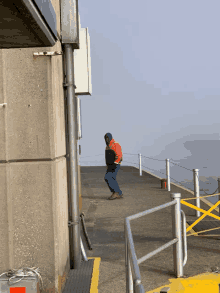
(27, 23)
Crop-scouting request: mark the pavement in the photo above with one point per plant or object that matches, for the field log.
(104, 221)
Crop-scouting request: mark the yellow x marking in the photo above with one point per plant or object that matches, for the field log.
(205, 213)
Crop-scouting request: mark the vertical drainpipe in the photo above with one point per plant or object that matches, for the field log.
(72, 157)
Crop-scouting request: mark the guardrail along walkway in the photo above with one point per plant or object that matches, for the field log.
(105, 225)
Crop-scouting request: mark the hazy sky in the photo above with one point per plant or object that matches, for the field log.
(156, 81)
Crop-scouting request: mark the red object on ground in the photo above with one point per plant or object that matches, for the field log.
(18, 290)
(165, 185)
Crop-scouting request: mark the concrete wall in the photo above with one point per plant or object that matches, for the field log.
(33, 189)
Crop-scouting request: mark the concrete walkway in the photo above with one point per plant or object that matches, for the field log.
(105, 225)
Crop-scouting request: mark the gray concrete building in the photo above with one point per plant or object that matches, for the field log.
(33, 166)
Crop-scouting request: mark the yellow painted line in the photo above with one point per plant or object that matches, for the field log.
(203, 283)
(209, 204)
(202, 199)
(95, 275)
(201, 210)
(191, 231)
(203, 216)
(203, 196)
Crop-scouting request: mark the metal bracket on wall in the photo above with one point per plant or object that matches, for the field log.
(69, 84)
(55, 53)
(3, 105)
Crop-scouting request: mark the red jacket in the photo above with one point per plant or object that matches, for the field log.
(114, 148)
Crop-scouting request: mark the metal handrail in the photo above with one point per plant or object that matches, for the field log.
(161, 248)
(132, 266)
(83, 250)
(147, 212)
(133, 276)
(184, 238)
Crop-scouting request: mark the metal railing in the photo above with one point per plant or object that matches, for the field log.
(195, 179)
(168, 177)
(195, 173)
(133, 276)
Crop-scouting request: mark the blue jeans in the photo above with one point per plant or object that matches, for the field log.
(110, 179)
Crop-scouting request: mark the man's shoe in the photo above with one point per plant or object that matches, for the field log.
(111, 195)
(115, 196)
(119, 196)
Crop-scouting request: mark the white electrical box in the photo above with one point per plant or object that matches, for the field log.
(79, 117)
(82, 64)
(69, 22)
(28, 284)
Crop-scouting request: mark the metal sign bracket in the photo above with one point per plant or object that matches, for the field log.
(55, 53)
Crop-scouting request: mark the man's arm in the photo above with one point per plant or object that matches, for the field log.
(117, 148)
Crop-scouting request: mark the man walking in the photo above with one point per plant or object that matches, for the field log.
(113, 159)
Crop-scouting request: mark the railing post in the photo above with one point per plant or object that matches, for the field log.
(129, 279)
(168, 174)
(219, 192)
(126, 262)
(177, 233)
(140, 168)
(196, 189)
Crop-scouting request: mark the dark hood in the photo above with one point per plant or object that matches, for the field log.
(108, 138)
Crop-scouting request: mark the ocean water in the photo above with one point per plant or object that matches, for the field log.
(207, 185)
(182, 174)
